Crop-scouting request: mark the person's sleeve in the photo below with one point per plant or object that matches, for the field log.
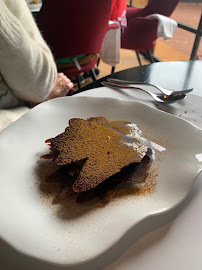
(26, 62)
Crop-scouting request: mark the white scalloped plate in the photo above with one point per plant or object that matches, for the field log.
(81, 232)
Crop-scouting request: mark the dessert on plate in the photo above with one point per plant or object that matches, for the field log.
(96, 155)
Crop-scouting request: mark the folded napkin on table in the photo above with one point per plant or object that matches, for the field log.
(166, 26)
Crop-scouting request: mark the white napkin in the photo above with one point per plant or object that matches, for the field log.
(110, 51)
(166, 26)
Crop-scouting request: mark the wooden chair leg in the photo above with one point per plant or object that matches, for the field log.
(138, 58)
(93, 75)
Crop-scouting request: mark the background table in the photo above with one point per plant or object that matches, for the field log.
(174, 75)
(172, 240)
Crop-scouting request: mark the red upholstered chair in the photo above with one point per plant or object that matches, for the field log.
(141, 32)
(74, 28)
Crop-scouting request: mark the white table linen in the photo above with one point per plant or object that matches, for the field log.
(110, 51)
(166, 26)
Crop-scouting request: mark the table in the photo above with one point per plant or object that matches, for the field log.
(174, 239)
(174, 75)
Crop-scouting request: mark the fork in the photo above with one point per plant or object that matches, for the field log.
(163, 90)
(159, 98)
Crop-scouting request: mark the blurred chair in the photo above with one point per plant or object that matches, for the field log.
(73, 28)
(141, 32)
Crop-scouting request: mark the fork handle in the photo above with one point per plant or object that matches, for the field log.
(165, 91)
(126, 82)
(119, 86)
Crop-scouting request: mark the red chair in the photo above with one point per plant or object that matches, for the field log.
(74, 28)
(141, 32)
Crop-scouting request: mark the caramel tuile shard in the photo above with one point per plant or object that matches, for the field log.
(104, 146)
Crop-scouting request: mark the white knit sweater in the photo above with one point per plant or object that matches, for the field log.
(26, 63)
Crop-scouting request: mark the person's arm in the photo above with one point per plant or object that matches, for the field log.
(26, 63)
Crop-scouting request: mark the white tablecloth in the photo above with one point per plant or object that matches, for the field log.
(171, 241)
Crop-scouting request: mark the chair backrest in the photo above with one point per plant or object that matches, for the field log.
(74, 27)
(141, 34)
(162, 7)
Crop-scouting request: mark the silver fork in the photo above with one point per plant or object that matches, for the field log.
(163, 90)
(159, 98)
